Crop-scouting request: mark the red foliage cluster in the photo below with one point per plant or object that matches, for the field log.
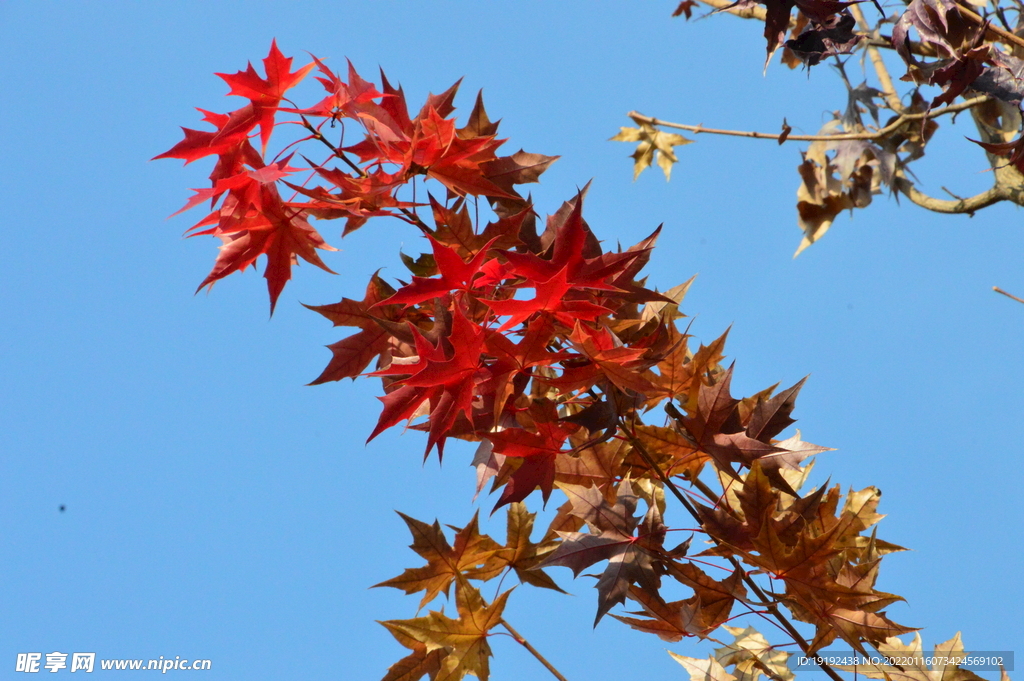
(253, 218)
(548, 351)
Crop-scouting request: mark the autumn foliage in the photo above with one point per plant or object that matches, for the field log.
(925, 62)
(566, 368)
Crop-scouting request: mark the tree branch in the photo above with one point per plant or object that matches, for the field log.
(1008, 295)
(969, 205)
(1003, 34)
(744, 13)
(913, 46)
(878, 134)
(533, 651)
(884, 79)
(319, 136)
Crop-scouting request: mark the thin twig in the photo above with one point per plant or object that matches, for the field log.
(317, 135)
(526, 644)
(913, 46)
(878, 134)
(981, 21)
(968, 205)
(884, 79)
(746, 12)
(1008, 295)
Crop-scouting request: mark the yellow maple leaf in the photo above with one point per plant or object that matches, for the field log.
(653, 143)
(463, 640)
(703, 670)
(751, 654)
(942, 666)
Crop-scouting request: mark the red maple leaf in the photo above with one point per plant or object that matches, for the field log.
(348, 100)
(353, 354)
(455, 275)
(229, 139)
(563, 282)
(537, 449)
(254, 221)
(395, 105)
(430, 145)
(623, 366)
(515, 359)
(357, 198)
(444, 377)
(265, 94)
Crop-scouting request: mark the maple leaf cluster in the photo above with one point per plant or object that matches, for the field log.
(251, 216)
(549, 353)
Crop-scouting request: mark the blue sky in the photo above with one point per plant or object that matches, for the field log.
(218, 508)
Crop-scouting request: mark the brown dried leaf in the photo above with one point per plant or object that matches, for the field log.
(445, 564)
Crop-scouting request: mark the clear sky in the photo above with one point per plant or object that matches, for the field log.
(217, 508)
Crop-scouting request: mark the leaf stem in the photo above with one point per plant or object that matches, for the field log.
(317, 135)
(533, 651)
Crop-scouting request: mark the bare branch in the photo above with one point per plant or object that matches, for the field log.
(1008, 295)
(1003, 34)
(967, 205)
(884, 79)
(744, 13)
(317, 135)
(878, 134)
(533, 651)
(913, 46)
